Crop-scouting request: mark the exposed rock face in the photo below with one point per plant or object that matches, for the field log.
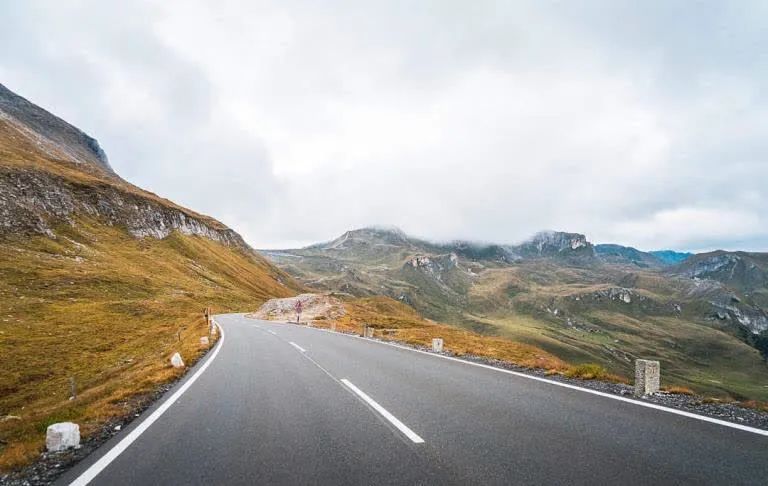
(313, 307)
(555, 243)
(489, 252)
(752, 318)
(738, 269)
(34, 201)
(51, 172)
(434, 265)
(51, 134)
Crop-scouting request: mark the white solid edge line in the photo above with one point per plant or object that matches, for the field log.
(297, 347)
(98, 466)
(662, 408)
(392, 419)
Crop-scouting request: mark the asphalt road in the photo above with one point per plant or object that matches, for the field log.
(285, 404)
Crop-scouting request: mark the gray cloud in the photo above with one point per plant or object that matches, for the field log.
(640, 123)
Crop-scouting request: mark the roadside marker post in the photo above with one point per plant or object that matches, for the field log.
(437, 345)
(647, 377)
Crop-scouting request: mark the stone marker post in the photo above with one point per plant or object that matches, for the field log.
(437, 345)
(61, 436)
(647, 377)
(333, 326)
(368, 331)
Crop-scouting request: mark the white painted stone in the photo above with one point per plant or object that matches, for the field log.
(61, 436)
(437, 345)
(214, 329)
(368, 332)
(176, 361)
(333, 326)
(204, 341)
(647, 377)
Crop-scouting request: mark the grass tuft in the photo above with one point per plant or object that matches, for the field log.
(588, 371)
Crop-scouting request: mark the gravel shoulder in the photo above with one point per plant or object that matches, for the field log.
(698, 404)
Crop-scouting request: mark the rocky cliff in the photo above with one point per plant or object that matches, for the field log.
(51, 173)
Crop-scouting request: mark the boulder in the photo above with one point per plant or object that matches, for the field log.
(176, 361)
(62, 436)
(204, 341)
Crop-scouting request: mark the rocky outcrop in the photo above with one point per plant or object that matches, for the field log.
(51, 173)
(754, 319)
(313, 307)
(555, 244)
(36, 201)
(741, 270)
(434, 265)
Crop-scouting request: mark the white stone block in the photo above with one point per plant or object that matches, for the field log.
(333, 326)
(62, 436)
(204, 341)
(176, 361)
(437, 345)
(368, 332)
(647, 377)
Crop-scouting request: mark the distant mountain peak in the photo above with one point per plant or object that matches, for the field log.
(367, 236)
(555, 244)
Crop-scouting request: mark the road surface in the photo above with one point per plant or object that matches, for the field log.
(285, 404)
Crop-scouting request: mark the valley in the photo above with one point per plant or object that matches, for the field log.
(584, 303)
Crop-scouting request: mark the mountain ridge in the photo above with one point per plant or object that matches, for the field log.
(558, 291)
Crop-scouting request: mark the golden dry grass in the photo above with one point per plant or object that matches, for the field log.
(399, 322)
(679, 390)
(108, 309)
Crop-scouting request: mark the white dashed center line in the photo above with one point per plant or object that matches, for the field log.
(392, 419)
(297, 347)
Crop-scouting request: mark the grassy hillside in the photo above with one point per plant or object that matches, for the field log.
(100, 282)
(108, 309)
(582, 310)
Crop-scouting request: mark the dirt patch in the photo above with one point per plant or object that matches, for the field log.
(314, 307)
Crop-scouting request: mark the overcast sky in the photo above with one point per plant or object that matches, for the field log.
(641, 123)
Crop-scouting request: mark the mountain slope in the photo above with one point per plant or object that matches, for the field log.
(671, 257)
(100, 282)
(619, 254)
(557, 291)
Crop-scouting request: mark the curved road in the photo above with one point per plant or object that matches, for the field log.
(284, 404)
